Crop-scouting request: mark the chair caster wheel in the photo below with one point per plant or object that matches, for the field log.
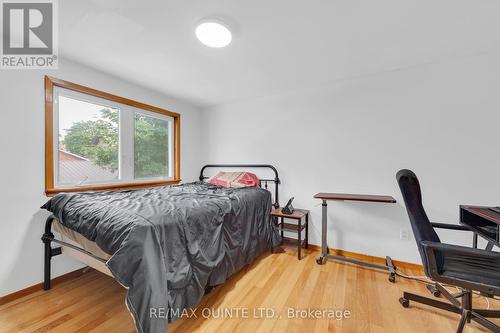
(392, 278)
(404, 302)
(320, 260)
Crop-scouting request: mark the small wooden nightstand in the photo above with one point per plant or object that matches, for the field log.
(298, 215)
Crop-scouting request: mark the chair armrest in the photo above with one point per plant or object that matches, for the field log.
(435, 249)
(431, 247)
(449, 226)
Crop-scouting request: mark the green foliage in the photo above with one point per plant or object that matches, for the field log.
(150, 147)
(96, 140)
(112, 115)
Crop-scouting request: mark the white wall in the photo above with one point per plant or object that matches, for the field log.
(22, 165)
(442, 120)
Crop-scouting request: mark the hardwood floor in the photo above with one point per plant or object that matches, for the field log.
(95, 303)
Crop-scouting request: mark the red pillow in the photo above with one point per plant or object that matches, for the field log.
(235, 179)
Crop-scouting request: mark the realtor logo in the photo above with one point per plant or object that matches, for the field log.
(29, 34)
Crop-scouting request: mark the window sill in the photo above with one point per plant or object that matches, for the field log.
(128, 186)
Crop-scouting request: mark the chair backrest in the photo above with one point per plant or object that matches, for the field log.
(420, 224)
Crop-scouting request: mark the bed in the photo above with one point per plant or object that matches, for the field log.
(166, 245)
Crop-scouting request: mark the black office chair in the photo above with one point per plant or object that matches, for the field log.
(467, 268)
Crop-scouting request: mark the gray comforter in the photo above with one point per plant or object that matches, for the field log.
(169, 243)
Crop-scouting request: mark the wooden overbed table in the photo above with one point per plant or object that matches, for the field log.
(324, 220)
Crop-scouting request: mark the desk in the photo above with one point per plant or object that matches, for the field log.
(483, 222)
(324, 217)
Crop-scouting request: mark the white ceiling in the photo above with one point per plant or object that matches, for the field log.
(278, 45)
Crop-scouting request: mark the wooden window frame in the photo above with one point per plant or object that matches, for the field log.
(50, 187)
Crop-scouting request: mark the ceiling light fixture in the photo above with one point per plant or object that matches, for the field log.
(213, 33)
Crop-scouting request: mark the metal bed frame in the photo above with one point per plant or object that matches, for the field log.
(48, 237)
(276, 179)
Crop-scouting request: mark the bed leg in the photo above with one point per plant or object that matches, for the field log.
(47, 238)
(46, 278)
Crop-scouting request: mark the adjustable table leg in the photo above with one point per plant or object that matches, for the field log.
(392, 269)
(324, 248)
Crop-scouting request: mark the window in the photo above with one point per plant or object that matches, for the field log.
(98, 141)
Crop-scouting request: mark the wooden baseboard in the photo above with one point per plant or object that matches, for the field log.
(74, 274)
(39, 286)
(366, 257)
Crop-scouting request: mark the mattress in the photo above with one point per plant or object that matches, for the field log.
(74, 238)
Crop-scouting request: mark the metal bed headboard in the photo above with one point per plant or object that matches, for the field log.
(262, 181)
